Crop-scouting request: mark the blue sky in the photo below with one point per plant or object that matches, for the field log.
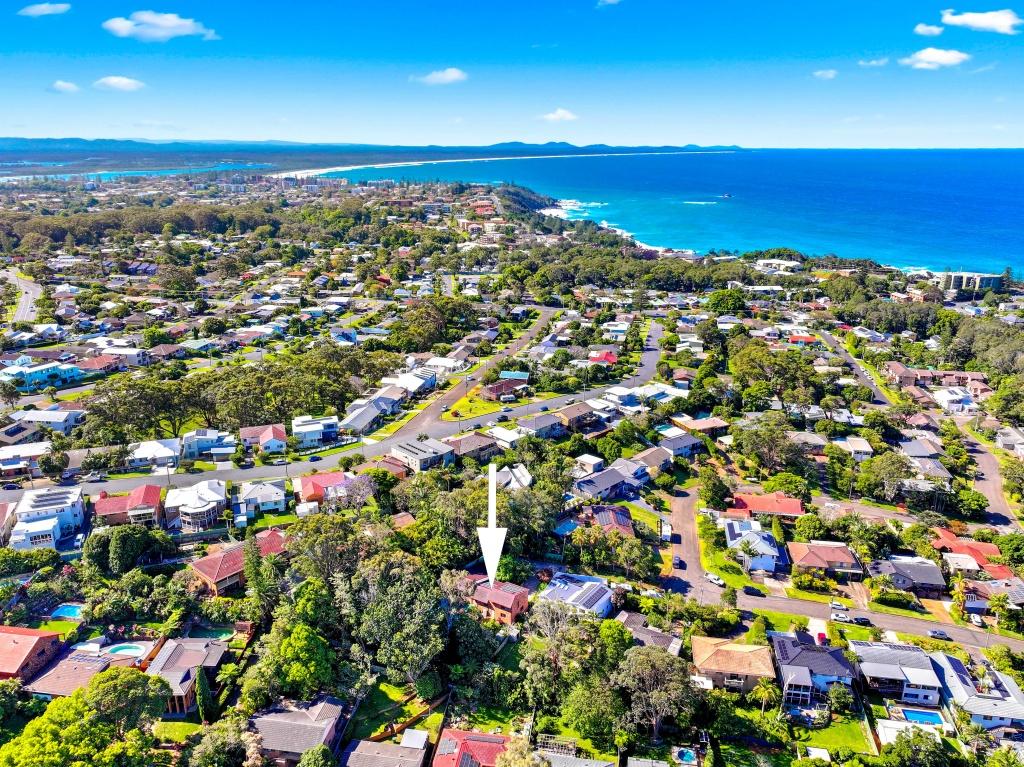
(790, 74)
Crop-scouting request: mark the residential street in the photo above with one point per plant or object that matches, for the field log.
(989, 481)
(26, 310)
(836, 346)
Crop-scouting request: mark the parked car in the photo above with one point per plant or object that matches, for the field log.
(939, 634)
(860, 620)
(12, 486)
(840, 618)
(314, 458)
(506, 409)
(838, 606)
(79, 540)
(502, 418)
(752, 591)
(822, 639)
(976, 620)
(279, 462)
(543, 408)
(714, 579)
(677, 562)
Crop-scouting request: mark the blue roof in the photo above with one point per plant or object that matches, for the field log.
(515, 375)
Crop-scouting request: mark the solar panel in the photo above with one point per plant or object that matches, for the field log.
(446, 746)
(591, 596)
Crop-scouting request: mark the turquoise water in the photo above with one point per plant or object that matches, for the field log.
(957, 209)
(67, 610)
(127, 649)
(921, 717)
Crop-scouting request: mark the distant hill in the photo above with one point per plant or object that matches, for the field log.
(41, 156)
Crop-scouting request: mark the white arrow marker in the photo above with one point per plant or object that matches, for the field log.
(492, 537)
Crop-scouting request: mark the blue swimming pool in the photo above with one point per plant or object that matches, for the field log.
(917, 716)
(136, 651)
(67, 610)
(687, 756)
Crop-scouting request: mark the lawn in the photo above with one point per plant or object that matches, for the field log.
(740, 756)
(778, 621)
(130, 474)
(584, 745)
(846, 732)
(334, 450)
(814, 596)
(856, 633)
(880, 608)
(641, 514)
(491, 719)
(716, 562)
(270, 520)
(61, 627)
(174, 732)
(381, 706)
(391, 427)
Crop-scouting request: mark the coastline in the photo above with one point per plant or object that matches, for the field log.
(312, 172)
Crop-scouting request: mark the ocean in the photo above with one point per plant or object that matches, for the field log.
(935, 209)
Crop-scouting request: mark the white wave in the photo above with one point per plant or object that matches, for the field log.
(699, 202)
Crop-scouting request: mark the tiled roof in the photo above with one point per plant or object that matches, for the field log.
(297, 727)
(823, 554)
(724, 655)
(229, 560)
(74, 671)
(502, 594)
(771, 503)
(457, 748)
(18, 644)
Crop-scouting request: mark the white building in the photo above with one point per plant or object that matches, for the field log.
(197, 507)
(311, 431)
(46, 515)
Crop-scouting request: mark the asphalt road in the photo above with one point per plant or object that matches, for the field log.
(836, 346)
(988, 481)
(26, 310)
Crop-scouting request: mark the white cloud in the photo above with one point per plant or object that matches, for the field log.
(445, 76)
(45, 9)
(873, 62)
(826, 74)
(560, 115)
(63, 86)
(1005, 22)
(118, 83)
(934, 58)
(153, 27)
(928, 30)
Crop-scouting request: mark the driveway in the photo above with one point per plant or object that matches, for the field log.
(26, 310)
(836, 346)
(989, 481)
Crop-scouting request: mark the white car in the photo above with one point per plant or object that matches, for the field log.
(976, 620)
(840, 618)
(714, 579)
(838, 606)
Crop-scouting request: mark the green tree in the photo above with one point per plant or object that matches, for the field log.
(126, 698)
(656, 685)
(840, 699)
(320, 756)
(765, 692)
(307, 662)
(592, 708)
(204, 699)
(915, 748)
(790, 484)
(226, 743)
(713, 488)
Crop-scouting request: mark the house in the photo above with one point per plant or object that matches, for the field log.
(459, 748)
(364, 418)
(542, 426)
(142, 506)
(858, 447)
(777, 504)
(385, 463)
(757, 549)
(420, 455)
(411, 752)
(54, 419)
(582, 592)
(28, 378)
(918, 575)
(311, 431)
(954, 400)
(514, 477)
(73, 671)
(806, 671)
(580, 417)
(155, 452)
(45, 515)
(479, 447)
(994, 701)
(725, 664)
(507, 438)
(682, 445)
(196, 508)
(25, 652)
(502, 602)
(647, 636)
(604, 484)
(318, 487)
(829, 558)
(609, 518)
(269, 439)
(207, 443)
(713, 427)
(260, 497)
(960, 552)
(178, 662)
(900, 671)
(654, 458)
(289, 729)
(503, 390)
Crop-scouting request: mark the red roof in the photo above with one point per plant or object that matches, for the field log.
(18, 644)
(979, 551)
(142, 497)
(99, 362)
(748, 504)
(502, 594)
(262, 434)
(312, 487)
(458, 748)
(608, 357)
(229, 560)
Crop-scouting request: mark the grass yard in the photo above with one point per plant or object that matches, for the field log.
(174, 732)
(778, 621)
(844, 732)
(716, 562)
(741, 756)
(60, 627)
(492, 719)
(390, 428)
(130, 474)
(880, 608)
(334, 450)
(814, 596)
(585, 745)
(271, 520)
(381, 706)
(856, 633)
(205, 466)
(641, 514)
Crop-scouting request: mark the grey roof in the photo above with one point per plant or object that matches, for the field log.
(919, 448)
(918, 570)
(297, 727)
(366, 753)
(648, 636)
(179, 658)
(816, 659)
(884, 660)
(680, 442)
(562, 760)
(601, 481)
(539, 421)
(1004, 700)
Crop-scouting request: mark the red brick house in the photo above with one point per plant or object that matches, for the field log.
(142, 506)
(458, 748)
(503, 603)
(25, 652)
(778, 504)
(224, 568)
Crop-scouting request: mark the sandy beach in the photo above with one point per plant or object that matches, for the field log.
(307, 173)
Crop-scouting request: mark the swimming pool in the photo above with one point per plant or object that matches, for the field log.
(128, 648)
(917, 716)
(67, 610)
(687, 756)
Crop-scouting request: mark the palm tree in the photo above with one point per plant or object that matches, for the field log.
(1004, 757)
(228, 673)
(765, 692)
(976, 737)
